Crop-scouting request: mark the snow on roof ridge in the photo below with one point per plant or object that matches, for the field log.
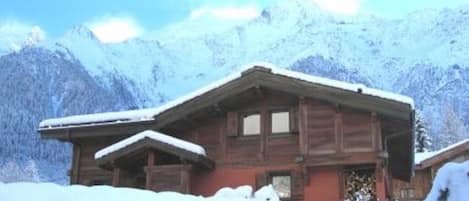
(188, 146)
(335, 83)
(149, 113)
(420, 157)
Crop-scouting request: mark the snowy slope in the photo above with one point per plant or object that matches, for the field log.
(54, 192)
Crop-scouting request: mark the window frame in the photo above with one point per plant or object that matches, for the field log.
(273, 174)
(244, 114)
(280, 110)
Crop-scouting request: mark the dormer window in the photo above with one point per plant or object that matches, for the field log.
(252, 124)
(280, 122)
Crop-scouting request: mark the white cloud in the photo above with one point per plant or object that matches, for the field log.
(115, 29)
(231, 13)
(346, 7)
(14, 35)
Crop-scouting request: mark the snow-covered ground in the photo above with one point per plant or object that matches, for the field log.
(54, 192)
(451, 182)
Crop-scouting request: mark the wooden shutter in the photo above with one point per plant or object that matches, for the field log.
(294, 123)
(297, 185)
(261, 180)
(232, 124)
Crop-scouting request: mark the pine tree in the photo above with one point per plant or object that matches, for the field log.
(423, 140)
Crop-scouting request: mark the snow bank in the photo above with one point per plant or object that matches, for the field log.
(54, 192)
(148, 114)
(453, 178)
(189, 146)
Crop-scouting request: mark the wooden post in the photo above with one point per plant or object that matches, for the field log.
(116, 172)
(376, 132)
(150, 165)
(340, 172)
(338, 131)
(303, 118)
(380, 183)
(264, 128)
(76, 164)
(185, 179)
(222, 133)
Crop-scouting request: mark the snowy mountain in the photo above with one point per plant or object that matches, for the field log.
(423, 56)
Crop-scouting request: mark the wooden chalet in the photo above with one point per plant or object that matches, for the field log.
(426, 166)
(309, 136)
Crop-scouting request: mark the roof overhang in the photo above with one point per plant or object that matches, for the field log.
(444, 155)
(128, 147)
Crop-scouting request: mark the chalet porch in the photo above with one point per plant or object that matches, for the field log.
(153, 161)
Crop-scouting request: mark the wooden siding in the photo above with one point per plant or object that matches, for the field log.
(357, 131)
(88, 172)
(420, 184)
(322, 134)
(169, 178)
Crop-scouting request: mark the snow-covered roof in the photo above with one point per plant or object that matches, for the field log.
(150, 113)
(160, 137)
(420, 157)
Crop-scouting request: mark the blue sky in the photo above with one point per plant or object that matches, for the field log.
(133, 17)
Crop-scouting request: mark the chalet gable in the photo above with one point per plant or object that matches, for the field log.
(256, 76)
(151, 140)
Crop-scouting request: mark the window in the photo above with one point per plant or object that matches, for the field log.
(408, 193)
(282, 185)
(252, 124)
(403, 193)
(280, 122)
(411, 193)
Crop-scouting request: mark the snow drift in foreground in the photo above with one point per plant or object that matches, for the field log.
(54, 192)
(451, 183)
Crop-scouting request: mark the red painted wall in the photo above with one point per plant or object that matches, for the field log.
(208, 183)
(323, 185)
(323, 182)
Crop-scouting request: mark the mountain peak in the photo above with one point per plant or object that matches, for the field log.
(82, 32)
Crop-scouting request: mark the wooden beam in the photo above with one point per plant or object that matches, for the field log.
(259, 91)
(222, 136)
(338, 132)
(150, 165)
(185, 179)
(219, 109)
(376, 132)
(116, 173)
(306, 175)
(264, 128)
(303, 125)
(76, 164)
(340, 159)
(341, 178)
(379, 174)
